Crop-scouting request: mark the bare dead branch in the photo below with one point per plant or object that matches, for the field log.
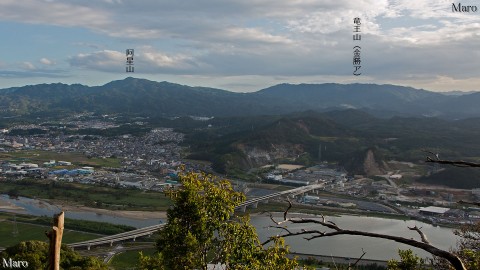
(288, 208)
(333, 260)
(283, 228)
(336, 230)
(277, 222)
(285, 219)
(456, 163)
(289, 233)
(431, 153)
(434, 158)
(328, 224)
(471, 203)
(422, 235)
(355, 264)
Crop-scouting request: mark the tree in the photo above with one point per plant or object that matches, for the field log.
(408, 261)
(311, 234)
(469, 236)
(241, 249)
(36, 254)
(468, 247)
(151, 262)
(202, 230)
(14, 193)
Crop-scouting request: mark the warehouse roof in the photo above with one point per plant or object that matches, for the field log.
(434, 209)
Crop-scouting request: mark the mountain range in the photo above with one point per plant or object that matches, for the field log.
(144, 97)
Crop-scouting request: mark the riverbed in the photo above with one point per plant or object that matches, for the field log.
(138, 219)
(344, 246)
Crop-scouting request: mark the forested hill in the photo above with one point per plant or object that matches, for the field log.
(351, 138)
(144, 97)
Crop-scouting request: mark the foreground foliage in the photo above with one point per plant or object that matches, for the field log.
(202, 231)
(468, 247)
(408, 261)
(36, 254)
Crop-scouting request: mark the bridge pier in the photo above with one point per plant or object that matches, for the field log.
(111, 243)
(243, 209)
(134, 238)
(88, 247)
(265, 201)
(254, 205)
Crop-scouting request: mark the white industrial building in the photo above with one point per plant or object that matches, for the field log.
(433, 210)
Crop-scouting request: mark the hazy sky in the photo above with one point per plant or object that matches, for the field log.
(240, 45)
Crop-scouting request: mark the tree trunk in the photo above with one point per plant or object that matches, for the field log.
(55, 236)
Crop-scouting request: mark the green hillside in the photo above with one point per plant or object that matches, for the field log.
(465, 178)
(344, 136)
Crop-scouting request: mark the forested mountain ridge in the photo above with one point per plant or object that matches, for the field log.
(144, 97)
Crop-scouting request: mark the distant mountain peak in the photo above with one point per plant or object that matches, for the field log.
(143, 96)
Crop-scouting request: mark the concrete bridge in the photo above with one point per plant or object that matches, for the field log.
(291, 192)
(147, 231)
(133, 235)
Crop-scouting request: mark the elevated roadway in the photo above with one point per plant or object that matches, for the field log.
(147, 231)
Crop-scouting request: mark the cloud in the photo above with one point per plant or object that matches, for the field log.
(235, 22)
(53, 13)
(256, 35)
(164, 61)
(106, 60)
(401, 40)
(146, 60)
(87, 44)
(113, 1)
(28, 66)
(9, 74)
(47, 61)
(27, 69)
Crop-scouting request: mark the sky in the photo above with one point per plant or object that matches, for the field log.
(240, 45)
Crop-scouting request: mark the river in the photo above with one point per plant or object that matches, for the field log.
(343, 246)
(41, 208)
(351, 246)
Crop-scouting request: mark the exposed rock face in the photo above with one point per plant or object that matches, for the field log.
(256, 156)
(371, 166)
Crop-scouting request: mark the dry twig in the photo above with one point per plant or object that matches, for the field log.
(457, 163)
